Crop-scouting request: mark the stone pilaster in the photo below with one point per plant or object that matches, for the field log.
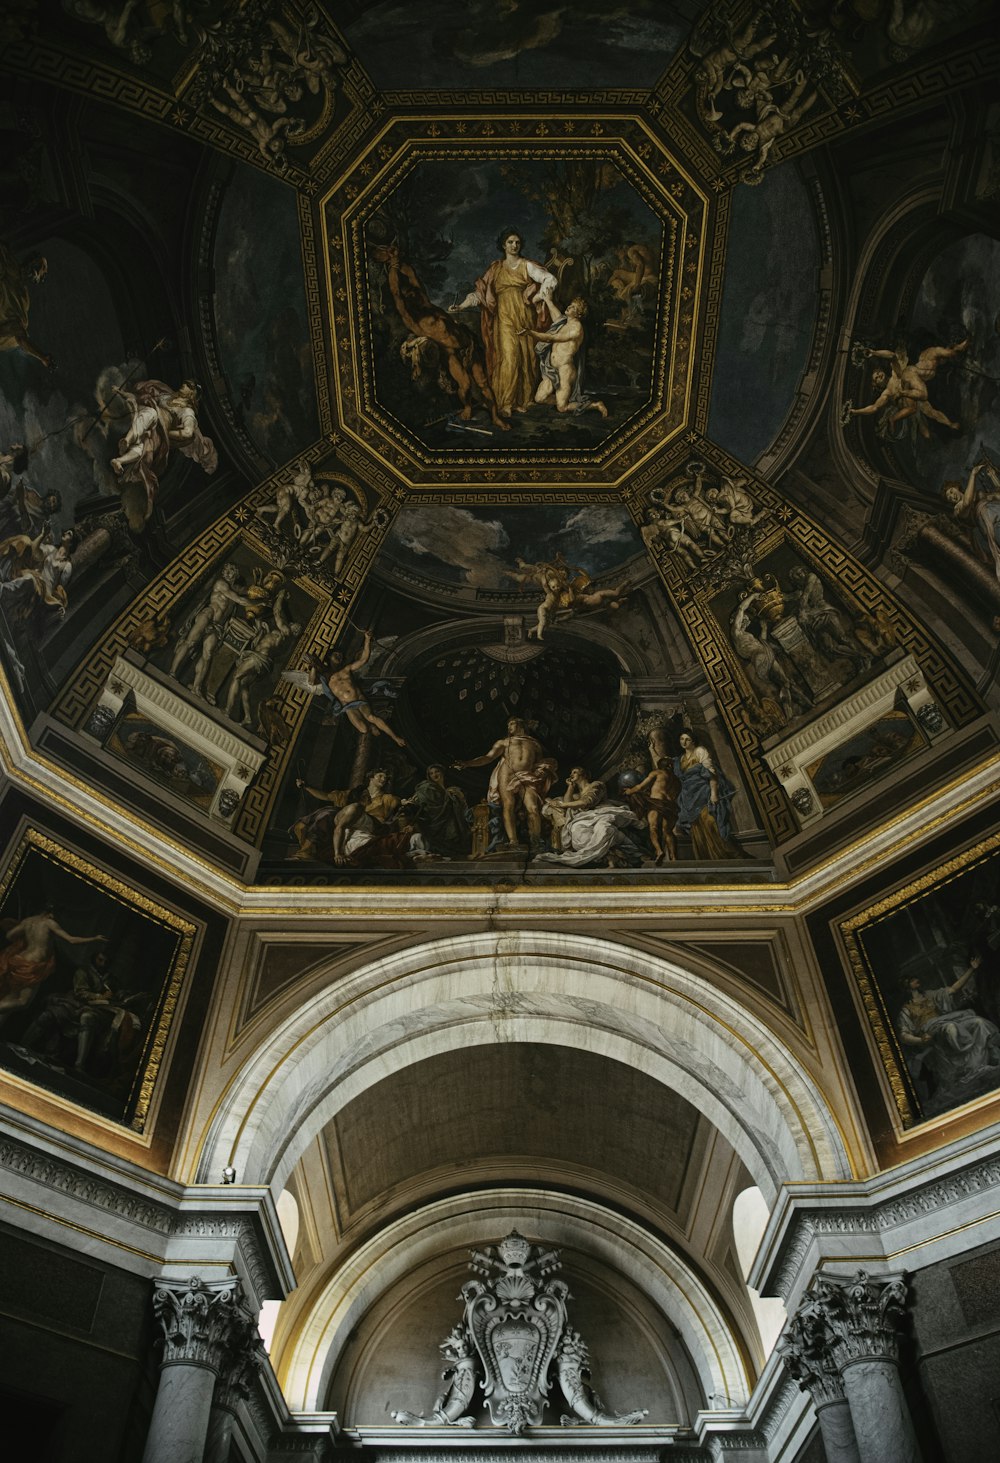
(849, 1331)
(208, 1333)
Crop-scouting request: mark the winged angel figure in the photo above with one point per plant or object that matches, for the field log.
(335, 681)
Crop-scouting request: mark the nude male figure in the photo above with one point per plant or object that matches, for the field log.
(29, 958)
(564, 339)
(520, 778)
(205, 630)
(908, 385)
(339, 679)
(257, 660)
(656, 796)
(324, 512)
(698, 516)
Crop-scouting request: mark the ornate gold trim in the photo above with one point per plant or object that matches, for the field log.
(141, 1093)
(870, 993)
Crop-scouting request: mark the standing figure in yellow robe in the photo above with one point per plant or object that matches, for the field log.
(514, 296)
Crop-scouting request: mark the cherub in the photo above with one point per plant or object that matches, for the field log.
(343, 535)
(732, 502)
(287, 495)
(715, 73)
(661, 528)
(267, 133)
(772, 122)
(698, 517)
(324, 510)
(564, 589)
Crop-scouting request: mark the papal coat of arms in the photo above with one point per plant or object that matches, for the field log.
(514, 1342)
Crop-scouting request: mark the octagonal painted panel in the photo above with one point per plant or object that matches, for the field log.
(514, 309)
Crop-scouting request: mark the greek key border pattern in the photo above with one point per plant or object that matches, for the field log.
(104, 83)
(367, 109)
(322, 633)
(708, 639)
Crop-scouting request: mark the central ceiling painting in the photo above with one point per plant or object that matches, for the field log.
(509, 305)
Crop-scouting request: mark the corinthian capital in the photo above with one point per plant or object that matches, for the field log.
(812, 1365)
(853, 1320)
(206, 1323)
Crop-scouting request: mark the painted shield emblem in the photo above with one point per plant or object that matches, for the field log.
(516, 1345)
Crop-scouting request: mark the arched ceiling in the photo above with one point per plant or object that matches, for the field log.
(510, 1112)
(666, 516)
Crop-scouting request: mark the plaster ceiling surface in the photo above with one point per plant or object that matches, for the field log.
(577, 484)
(517, 1108)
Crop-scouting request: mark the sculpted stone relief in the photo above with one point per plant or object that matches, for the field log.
(515, 1334)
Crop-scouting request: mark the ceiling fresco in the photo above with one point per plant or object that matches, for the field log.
(532, 43)
(260, 315)
(770, 307)
(514, 306)
(402, 483)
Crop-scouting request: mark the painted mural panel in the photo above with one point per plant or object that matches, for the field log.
(927, 404)
(530, 44)
(930, 395)
(165, 757)
(927, 965)
(502, 704)
(514, 303)
(260, 315)
(97, 441)
(864, 757)
(91, 971)
(768, 312)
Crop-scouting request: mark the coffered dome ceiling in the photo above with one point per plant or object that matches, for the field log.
(567, 367)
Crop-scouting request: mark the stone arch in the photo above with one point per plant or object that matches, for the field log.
(383, 1262)
(526, 986)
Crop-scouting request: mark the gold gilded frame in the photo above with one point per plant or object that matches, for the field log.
(867, 984)
(136, 1108)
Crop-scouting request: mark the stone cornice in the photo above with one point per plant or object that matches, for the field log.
(157, 1219)
(80, 1185)
(923, 1194)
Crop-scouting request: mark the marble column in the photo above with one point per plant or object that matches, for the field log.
(207, 1330)
(854, 1327)
(814, 1370)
